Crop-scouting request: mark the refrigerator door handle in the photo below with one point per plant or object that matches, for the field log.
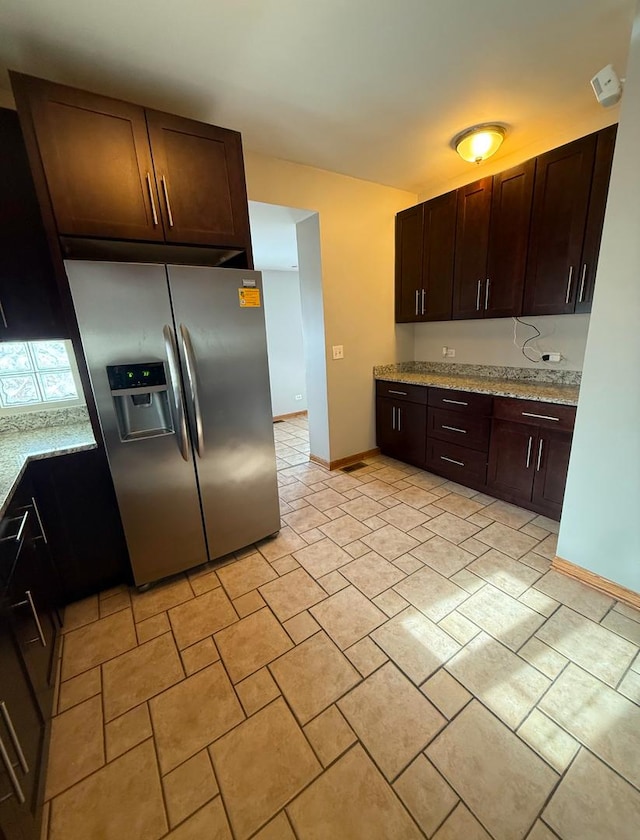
(190, 365)
(174, 381)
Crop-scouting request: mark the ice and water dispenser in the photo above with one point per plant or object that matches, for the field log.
(141, 398)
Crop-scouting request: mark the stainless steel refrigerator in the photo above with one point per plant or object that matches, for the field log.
(177, 357)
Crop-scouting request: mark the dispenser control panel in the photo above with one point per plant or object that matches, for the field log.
(139, 375)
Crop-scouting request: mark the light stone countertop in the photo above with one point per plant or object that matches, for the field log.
(551, 392)
(17, 449)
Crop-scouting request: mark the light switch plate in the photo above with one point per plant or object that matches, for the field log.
(338, 351)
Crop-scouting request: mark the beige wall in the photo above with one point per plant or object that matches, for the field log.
(599, 527)
(357, 251)
(490, 342)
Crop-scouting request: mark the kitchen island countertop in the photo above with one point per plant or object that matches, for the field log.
(18, 448)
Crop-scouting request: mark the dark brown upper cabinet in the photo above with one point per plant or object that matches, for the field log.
(606, 140)
(409, 244)
(118, 171)
(560, 206)
(508, 241)
(472, 246)
(425, 240)
(199, 171)
(97, 162)
(438, 252)
(29, 301)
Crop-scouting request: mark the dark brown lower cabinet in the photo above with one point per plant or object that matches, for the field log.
(515, 449)
(528, 465)
(22, 740)
(402, 430)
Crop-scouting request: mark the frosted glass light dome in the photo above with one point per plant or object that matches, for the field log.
(479, 143)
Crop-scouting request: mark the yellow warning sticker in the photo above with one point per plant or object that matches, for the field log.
(249, 297)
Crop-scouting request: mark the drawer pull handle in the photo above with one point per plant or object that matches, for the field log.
(8, 766)
(453, 429)
(18, 535)
(539, 455)
(28, 601)
(454, 402)
(540, 416)
(451, 461)
(529, 451)
(13, 735)
(399, 393)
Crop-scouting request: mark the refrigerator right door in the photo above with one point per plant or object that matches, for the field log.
(223, 354)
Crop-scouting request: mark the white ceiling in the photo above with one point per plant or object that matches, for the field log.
(273, 236)
(370, 88)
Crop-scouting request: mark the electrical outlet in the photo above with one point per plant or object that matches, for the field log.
(450, 352)
(298, 396)
(552, 357)
(338, 351)
(444, 351)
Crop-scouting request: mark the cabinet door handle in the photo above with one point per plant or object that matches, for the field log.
(454, 429)
(28, 601)
(3, 316)
(153, 204)
(454, 402)
(478, 295)
(540, 416)
(424, 295)
(529, 452)
(13, 735)
(451, 461)
(43, 533)
(8, 766)
(393, 418)
(399, 419)
(417, 301)
(399, 393)
(486, 293)
(583, 277)
(18, 535)
(569, 281)
(165, 189)
(539, 455)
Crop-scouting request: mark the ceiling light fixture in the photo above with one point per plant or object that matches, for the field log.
(478, 143)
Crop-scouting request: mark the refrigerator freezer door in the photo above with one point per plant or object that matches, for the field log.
(124, 314)
(223, 352)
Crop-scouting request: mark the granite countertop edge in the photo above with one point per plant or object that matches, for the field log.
(17, 450)
(539, 391)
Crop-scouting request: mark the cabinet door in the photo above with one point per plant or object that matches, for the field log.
(97, 161)
(29, 302)
(606, 140)
(560, 203)
(512, 458)
(409, 245)
(438, 257)
(401, 430)
(200, 173)
(18, 820)
(472, 242)
(552, 463)
(508, 240)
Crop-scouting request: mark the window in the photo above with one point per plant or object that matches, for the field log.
(37, 373)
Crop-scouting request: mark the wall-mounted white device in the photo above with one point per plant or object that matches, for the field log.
(607, 86)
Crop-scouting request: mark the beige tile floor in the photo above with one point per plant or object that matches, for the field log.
(398, 663)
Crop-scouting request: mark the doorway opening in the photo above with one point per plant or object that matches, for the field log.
(286, 249)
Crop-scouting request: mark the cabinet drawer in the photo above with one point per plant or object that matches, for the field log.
(459, 428)
(466, 466)
(546, 415)
(400, 391)
(479, 404)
